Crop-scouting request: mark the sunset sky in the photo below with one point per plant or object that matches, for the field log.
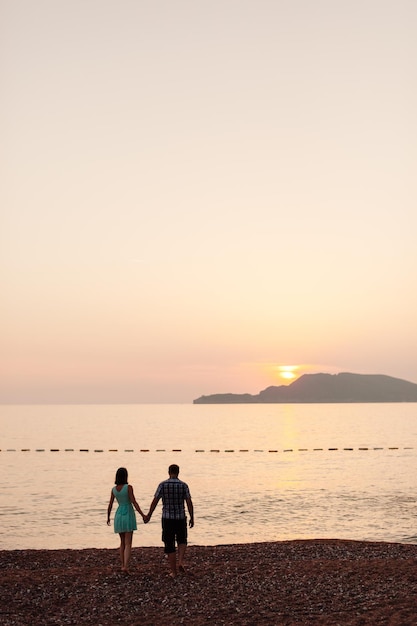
(197, 195)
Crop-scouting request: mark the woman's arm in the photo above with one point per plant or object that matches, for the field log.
(133, 501)
(109, 508)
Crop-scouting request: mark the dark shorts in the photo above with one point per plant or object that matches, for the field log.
(173, 529)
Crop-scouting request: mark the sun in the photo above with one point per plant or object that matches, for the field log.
(287, 372)
(284, 373)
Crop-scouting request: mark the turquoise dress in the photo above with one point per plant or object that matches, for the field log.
(125, 518)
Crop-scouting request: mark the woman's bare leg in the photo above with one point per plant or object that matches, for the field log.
(127, 550)
(122, 549)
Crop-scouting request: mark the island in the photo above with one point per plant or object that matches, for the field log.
(325, 388)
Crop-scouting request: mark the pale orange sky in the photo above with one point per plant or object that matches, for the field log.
(195, 194)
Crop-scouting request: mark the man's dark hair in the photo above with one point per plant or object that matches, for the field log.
(173, 469)
(121, 476)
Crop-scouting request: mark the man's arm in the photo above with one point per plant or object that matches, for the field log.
(151, 509)
(190, 508)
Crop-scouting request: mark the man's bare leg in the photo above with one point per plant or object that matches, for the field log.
(181, 556)
(172, 560)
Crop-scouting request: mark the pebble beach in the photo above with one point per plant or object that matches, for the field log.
(311, 582)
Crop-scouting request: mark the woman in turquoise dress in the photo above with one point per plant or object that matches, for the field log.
(125, 518)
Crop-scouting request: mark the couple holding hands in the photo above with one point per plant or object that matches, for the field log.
(174, 493)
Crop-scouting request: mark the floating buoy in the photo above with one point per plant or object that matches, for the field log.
(272, 450)
(199, 450)
(288, 450)
(347, 448)
(113, 450)
(243, 450)
(69, 449)
(25, 449)
(98, 450)
(214, 450)
(144, 450)
(176, 450)
(84, 450)
(333, 448)
(40, 449)
(54, 449)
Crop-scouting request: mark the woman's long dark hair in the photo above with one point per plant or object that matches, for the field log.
(121, 476)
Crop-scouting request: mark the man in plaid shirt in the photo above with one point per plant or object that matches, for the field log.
(174, 492)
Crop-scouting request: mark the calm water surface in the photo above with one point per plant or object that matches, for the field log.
(256, 472)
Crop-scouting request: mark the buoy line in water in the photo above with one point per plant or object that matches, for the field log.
(211, 450)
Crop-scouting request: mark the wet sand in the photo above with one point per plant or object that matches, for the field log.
(310, 582)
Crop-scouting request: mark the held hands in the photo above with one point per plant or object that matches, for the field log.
(146, 518)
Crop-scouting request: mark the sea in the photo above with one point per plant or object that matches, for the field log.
(266, 472)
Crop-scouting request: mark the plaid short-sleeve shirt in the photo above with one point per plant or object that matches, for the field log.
(173, 492)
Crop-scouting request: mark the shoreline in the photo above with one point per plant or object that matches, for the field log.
(309, 581)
